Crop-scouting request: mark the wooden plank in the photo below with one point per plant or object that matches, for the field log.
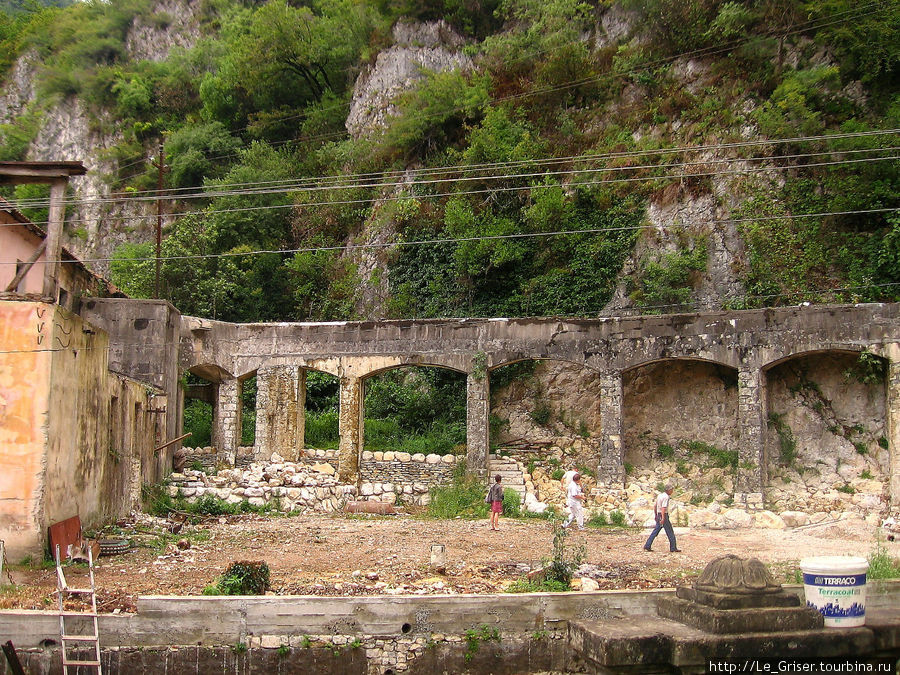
(13, 658)
(27, 266)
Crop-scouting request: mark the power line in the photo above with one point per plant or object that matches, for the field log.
(340, 182)
(451, 240)
(512, 188)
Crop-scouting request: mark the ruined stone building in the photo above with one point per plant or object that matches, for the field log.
(75, 437)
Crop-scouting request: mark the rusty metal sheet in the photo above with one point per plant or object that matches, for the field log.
(67, 535)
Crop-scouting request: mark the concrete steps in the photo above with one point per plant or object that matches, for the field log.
(511, 473)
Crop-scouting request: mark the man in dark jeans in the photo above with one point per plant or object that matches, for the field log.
(661, 509)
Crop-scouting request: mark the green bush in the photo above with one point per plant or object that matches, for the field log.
(211, 505)
(557, 474)
(243, 577)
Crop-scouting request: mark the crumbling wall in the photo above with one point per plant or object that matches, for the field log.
(77, 439)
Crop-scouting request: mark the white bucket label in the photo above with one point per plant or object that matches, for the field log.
(836, 596)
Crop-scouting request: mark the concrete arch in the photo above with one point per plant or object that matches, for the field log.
(830, 349)
(683, 410)
(429, 363)
(681, 359)
(211, 372)
(325, 365)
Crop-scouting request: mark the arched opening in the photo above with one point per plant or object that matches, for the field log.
(322, 404)
(415, 409)
(200, 397)
(826, 446)
(545, 415)
(248, 410)
(680, 423)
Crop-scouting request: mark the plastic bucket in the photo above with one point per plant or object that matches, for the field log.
(836, 587)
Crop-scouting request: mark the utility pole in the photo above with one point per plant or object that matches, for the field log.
(161, 167)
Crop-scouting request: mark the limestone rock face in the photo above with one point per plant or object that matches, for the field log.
(175, 24)
(418, 47)
(19, 87)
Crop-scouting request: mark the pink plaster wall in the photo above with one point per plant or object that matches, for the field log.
(17, 243)
(25, 328)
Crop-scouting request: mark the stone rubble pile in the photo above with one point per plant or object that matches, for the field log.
(292, 486)
(709, 502)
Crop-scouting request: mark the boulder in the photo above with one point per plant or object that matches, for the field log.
(769, 520)
(794, 518)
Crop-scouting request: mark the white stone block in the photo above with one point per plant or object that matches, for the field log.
(257, 501)
(389, 456)
(402, 456)
(367, 455)
(433, 459)
(588, 585)
(449, 459)
(418, 457)
(378, 455)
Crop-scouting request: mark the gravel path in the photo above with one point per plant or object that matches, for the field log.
(359, 555)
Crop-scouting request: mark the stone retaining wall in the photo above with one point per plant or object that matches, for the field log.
(385, 476)
(311, 483)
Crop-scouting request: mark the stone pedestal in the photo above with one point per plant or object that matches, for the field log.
(734, 595)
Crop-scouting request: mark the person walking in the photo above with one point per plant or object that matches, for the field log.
(574, 499)
(661, 511)
(495, 499)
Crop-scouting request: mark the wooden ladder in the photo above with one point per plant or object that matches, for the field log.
(79, 639)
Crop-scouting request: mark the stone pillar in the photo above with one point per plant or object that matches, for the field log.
(350, 427)
(478, 430)
(611, 463)
(752, 409)
(279, 412)
(301, 410)
(226, 431)
(893, 428)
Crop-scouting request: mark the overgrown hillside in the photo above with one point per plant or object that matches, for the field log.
(503, 158)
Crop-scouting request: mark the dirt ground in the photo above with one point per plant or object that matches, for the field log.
(370, 555)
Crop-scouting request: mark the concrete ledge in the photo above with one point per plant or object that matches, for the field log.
(200, 620)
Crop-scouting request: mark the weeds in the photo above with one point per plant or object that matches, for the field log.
(475, 636)
(463, 497)
(882, 565)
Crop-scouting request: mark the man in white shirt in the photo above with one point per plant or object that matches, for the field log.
(661, 509)
(574, 499)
